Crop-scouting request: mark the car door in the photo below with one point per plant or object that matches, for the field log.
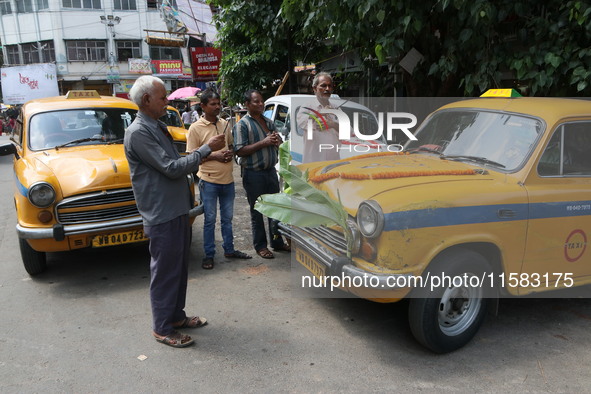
(560, 211)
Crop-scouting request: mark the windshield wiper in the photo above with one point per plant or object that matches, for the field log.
(425, 149)
(78, 141)
(477, 159)
(115, 141)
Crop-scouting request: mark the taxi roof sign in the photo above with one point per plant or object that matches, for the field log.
(501, 93)
(77, 94)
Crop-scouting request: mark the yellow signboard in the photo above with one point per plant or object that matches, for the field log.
(501, 93)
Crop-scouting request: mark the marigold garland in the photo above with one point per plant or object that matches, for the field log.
(387, 175)
(380, 175)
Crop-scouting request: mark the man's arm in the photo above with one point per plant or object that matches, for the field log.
(242, 146)
(150, 152)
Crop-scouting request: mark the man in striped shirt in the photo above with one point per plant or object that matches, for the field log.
(257, 145)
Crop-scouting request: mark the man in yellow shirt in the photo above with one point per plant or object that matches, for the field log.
(216, 178)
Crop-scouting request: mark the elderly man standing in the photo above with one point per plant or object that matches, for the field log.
(216, 178)
(163, 197)
(326, 136)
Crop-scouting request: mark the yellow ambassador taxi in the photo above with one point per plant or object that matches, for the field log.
(72, 182)
(493, 199)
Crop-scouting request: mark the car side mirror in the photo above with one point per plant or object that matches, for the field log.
(8, 149)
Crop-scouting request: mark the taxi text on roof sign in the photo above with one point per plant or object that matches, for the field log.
(74, 94)
(501, 93)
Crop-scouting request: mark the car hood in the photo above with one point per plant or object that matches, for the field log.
(87, 168)
(374, 178)
(178, 133)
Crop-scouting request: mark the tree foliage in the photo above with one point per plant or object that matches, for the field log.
(466, 46)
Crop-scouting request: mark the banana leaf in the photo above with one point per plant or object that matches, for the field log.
(305, 206)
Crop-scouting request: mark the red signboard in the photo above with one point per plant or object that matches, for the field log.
(206, 63)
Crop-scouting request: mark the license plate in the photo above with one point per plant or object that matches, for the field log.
(118, 238)
(312, 265)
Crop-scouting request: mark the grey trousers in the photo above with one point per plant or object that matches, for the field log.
(169, 267)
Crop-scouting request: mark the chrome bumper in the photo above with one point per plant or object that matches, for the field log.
(196, 211)
(60, 231)
(337, 265)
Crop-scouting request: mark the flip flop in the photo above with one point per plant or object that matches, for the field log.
(176, 339)
(207, 263)
(192, 322)
(237, 255)
(265, 253)
(283, 248)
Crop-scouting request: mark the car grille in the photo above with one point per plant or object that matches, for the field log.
(97, 207)
(331, 238)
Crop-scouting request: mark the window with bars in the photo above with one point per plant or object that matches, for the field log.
(125, 5)
(128, 49)
(30, 53)
(24, 6)
(156, 4)
(5, 7)
(88, 4)
(86, 51)
(42, 5)
(165, 53)
(12, 56)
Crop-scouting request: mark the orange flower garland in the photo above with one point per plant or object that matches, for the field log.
(381, 175)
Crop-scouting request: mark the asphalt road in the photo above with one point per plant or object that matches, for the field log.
(81, 326)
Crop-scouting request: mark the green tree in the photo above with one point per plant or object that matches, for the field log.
(466, 46)
(256, 44)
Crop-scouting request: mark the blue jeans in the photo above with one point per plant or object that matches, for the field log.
(210, 193)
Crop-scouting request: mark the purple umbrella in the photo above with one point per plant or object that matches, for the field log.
(183, 93)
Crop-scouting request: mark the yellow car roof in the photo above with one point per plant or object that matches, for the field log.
(549, 109)
(61, 102)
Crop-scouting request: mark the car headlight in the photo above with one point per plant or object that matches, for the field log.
(370, 219)
(41, 195)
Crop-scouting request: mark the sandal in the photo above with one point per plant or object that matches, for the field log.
(207, 263)
(283, 248)
(191, 322)
(265, 253)
(176, 339)
(237, 255)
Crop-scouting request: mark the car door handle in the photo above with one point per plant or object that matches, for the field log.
(506, 213)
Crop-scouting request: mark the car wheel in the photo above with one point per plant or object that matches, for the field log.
(453, 312)
(35, 262)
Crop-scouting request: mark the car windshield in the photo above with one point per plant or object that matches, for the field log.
(88, 126)
(172, 119)
(495, 139)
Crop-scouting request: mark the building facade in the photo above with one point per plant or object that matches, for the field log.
(92, 41)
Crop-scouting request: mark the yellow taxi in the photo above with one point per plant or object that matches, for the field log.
(72, 182)
(493, 199)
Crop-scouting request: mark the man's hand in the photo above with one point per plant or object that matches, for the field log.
(217, 142)
(272, 139)
(223, 156)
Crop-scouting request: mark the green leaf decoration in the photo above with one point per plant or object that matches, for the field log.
(305, 206)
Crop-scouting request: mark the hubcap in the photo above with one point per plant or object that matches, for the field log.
(458, 308)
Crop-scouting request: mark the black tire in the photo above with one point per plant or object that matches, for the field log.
(450, 317)
(35, 262)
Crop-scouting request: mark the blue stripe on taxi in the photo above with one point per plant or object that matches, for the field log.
(440, 217)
